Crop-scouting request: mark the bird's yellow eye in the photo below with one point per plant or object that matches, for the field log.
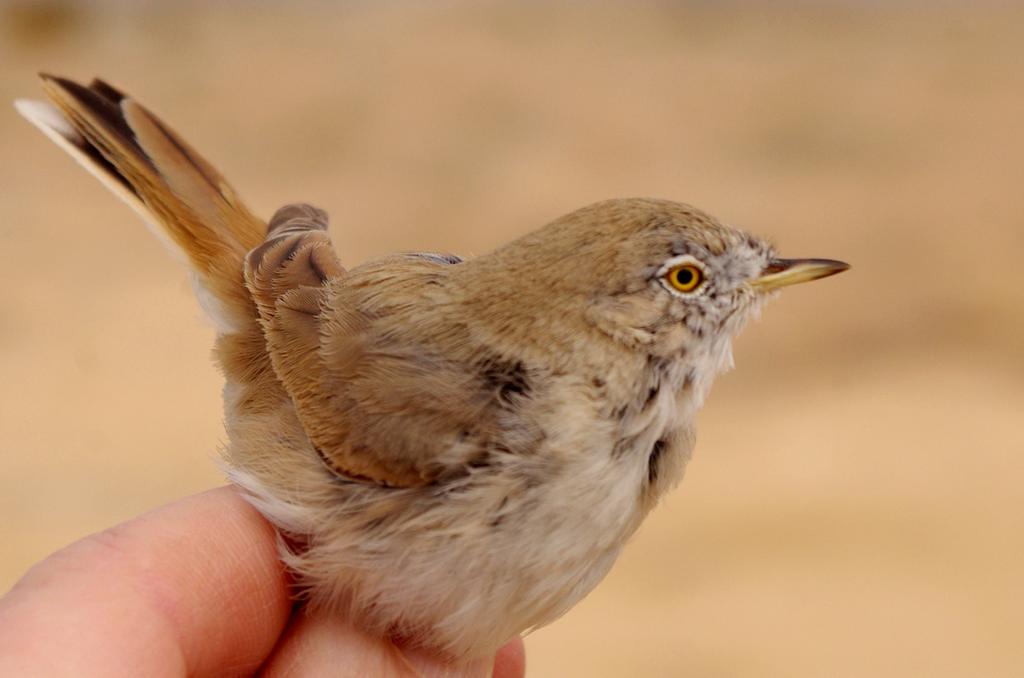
(685, 277)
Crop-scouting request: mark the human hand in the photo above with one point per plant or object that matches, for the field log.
(193, 588)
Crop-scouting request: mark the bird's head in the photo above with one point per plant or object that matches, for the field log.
(663, 277)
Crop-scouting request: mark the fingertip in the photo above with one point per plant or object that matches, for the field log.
(317, 644)
(424, 665)
(510, 662)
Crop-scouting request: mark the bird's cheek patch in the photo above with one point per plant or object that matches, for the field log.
(630, 318)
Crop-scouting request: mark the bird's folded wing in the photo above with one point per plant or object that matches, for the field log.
(376, 402)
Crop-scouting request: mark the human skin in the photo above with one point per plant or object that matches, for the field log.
(192, 588)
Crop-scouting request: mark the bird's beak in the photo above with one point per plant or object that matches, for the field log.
(781, 272)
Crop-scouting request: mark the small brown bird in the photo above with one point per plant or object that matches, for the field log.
(454, 452)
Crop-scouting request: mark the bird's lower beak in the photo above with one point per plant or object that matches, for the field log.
(782, 272)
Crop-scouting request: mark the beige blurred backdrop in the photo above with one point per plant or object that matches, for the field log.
(854, 504)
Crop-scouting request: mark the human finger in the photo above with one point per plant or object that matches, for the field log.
(194, 588)
(328, 645)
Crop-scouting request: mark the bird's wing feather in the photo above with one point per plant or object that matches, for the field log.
(375, 401)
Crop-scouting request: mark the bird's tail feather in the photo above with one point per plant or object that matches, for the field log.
(183, 199)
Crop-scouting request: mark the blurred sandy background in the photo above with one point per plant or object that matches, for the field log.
(854, 505)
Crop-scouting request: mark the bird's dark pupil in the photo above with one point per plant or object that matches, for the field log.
(684, 276)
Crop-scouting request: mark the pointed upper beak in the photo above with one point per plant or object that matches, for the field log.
(782, 272)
